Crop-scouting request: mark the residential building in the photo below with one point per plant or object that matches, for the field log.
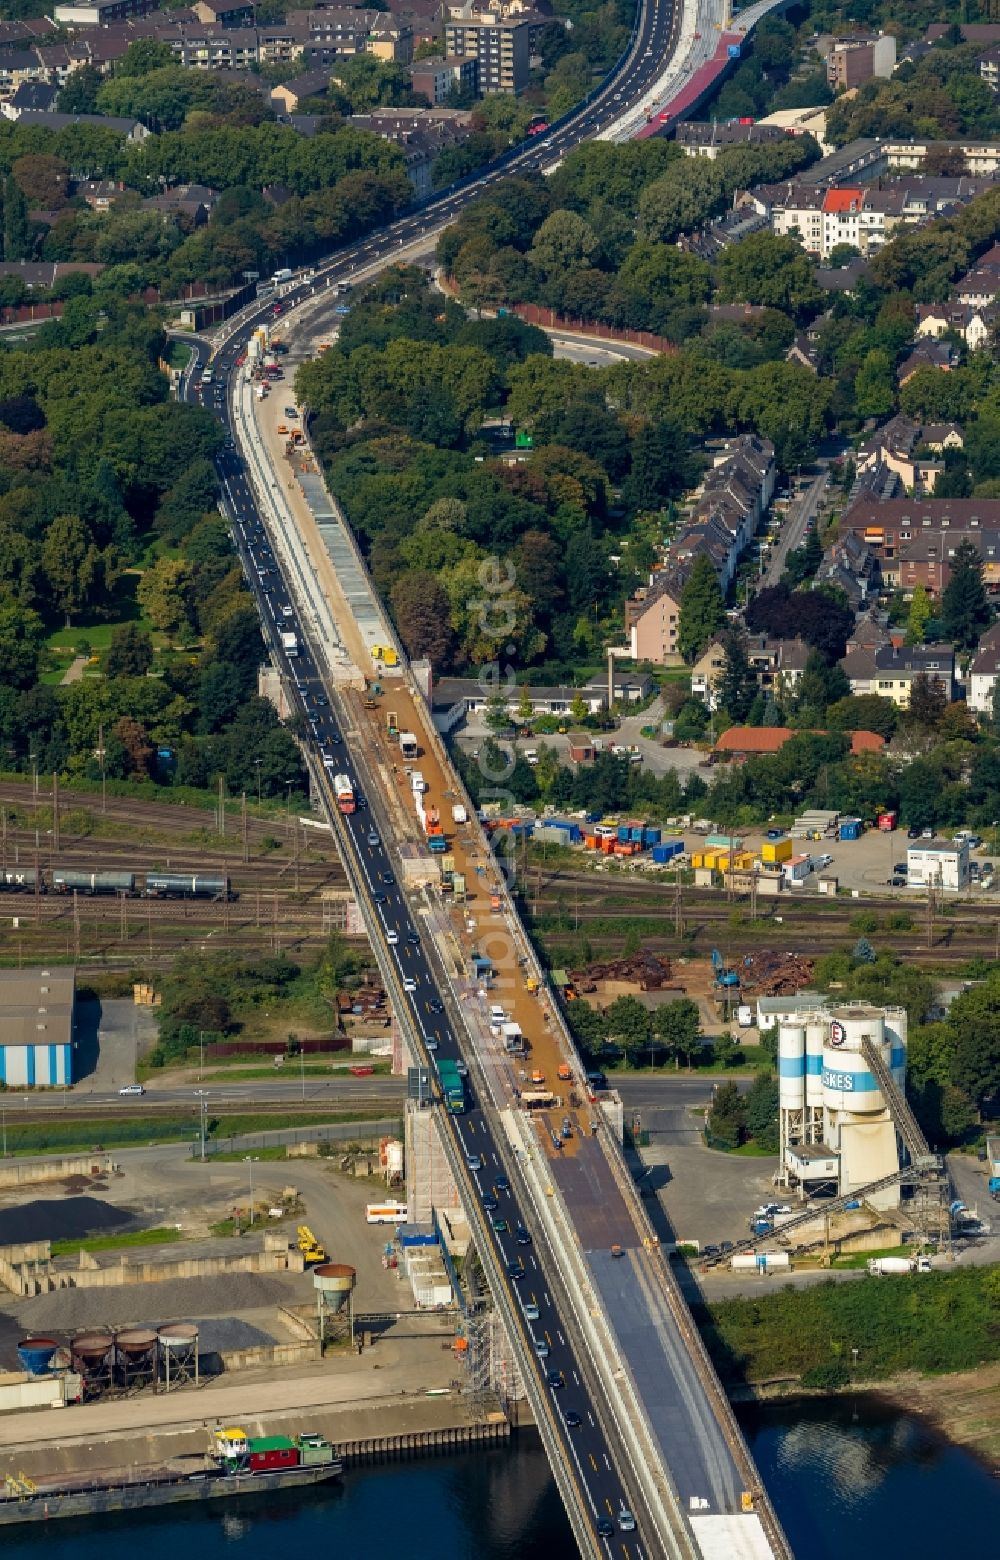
(99, 194)
(192, 202)
(45, 273)
(849, 565)
(421, 134)
(889, 671)
(942, 864)
(708, 140)
(983, 671)
(975, 325)
(38, 95)
(652, 619)
(725, 514)
(287, 97)
(981, 157)
(501, 48)
(131, 129)
(777, 664)
(99, 13)
(437, 78)
(822, 215)
(851, 61)
(37, 1027)
(803, 352)
(225, 14)
(938, 355)
(897, 445)
(893, 528)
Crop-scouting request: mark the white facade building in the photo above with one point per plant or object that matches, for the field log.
(942, 864)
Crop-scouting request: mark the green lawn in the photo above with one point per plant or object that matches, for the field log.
(156, 1237)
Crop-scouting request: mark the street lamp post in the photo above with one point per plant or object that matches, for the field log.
(201, 1054)
(202, 1097)
(250, 1161)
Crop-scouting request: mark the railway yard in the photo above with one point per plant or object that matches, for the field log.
(288, 891)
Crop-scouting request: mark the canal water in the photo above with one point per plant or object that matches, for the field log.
(847, 1478)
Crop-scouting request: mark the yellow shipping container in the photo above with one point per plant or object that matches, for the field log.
(775, 851)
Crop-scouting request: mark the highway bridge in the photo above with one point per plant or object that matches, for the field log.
(645, 1451)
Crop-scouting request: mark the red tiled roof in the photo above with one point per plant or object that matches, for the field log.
(771, 739)
(843, 200)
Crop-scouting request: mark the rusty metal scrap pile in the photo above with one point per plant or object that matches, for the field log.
(646, 970)
(775, 974)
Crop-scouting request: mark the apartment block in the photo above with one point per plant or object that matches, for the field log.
(500, 46)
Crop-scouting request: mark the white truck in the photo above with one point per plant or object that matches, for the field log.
(284, 275)
(289, 642)
(417, 782)
(882, 1267)
(459, 813)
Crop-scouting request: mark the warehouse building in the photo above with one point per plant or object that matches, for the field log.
(37, 1025)
(938, 864)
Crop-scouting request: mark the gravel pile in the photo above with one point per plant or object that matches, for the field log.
(73, 1310)
(220, 1334)
(69, 1218)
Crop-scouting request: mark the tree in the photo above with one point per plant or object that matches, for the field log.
(762, 1111)
(164, 593)
(928, 702)
(16, 231)
(918, 616)
(629, 1026)
(79, 93)
(726, 1123)
(864, 712)
(421, 608)
(677, 1026)
(920, 794)
(965, 608)
(726, 1048)
(974, 1020)
(130, 653)
(661, 466)
(702, 609)
(69, 560)
(863, 952)
(875, 386)
(737, 685)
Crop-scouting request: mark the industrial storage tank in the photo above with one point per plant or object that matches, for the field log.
(816, 1037)
(92, 1357)
(335, 1282)
(135, 1355)
(35, 1354)
(186, 885)
(178, 1345)
(791, 1066)
(848, 1085)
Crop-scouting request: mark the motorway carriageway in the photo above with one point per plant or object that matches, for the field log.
(584, 1441)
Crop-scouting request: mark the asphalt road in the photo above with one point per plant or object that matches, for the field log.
(794, 529)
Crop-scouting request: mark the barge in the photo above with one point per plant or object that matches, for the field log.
(237, 1464)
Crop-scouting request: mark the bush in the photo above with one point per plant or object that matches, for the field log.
(827, 1377)
(864, 923)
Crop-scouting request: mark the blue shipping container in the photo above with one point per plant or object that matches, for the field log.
(651, 836)
(635, 834)
(623, 833)
(661, 853)
(850, 829)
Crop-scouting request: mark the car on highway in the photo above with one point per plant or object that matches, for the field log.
(409, 984)
(515, 1271)
(373, 839)
(522, 1236)
(530, 1311)
(555, 1379)
(572, 1419)
(379, 898)
(626, 1521)
(132, 1088)
(431, 1043)
(501, 1184)
(490, 1203)
(499, 1225)
(387, 879)
(436, 1005)
(413, 938)
(473, 1161)
(605, 1529)
(392, 938)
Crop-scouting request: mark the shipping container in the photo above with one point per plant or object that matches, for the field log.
(775, 851)
(651, 836)
(850, 829)
(273, 1451)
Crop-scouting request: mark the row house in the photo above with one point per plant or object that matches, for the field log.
(914, 539)
(821, 218)
(850, 566)
(899, 445)
(697, 139)
(890, 670)
(421, 135)
(984, 668)
(735, 494)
